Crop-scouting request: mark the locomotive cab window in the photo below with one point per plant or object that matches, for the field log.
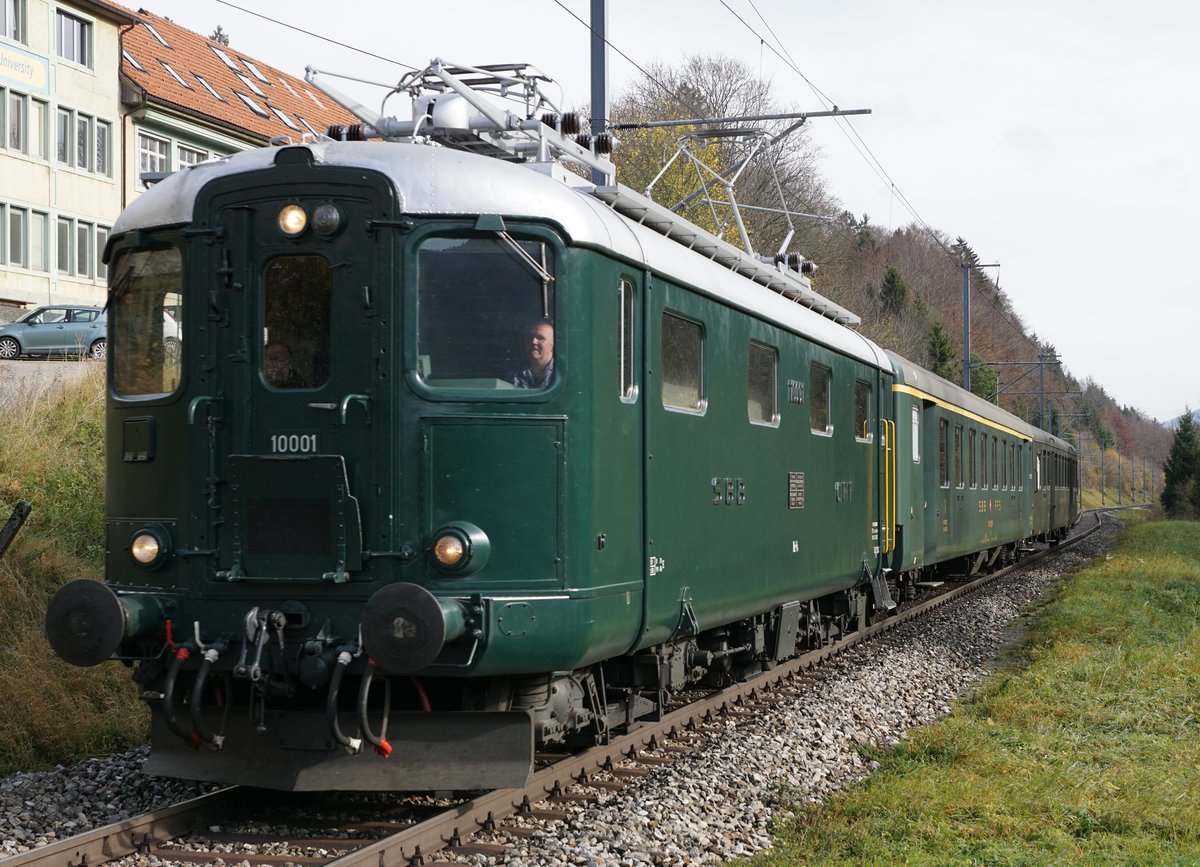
(862, 411)
(820, 415)
(145, 323)
(760, 389)
(682, 364)
(297, 304)
(485, 314)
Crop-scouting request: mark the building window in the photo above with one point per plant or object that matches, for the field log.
(862, 411)
(17, 121)
(37, 241)
(190, 156)
(682, 363)
(156, 34)
(103, 145)
(63, 124)
(12, 19)
(175, 75)
(208, 87)
(83, 140)
(132, 61)
(152, 155)
(287, 121)
(63, 250)
(83, 249)
(74, 39)
(761, 401)
(251, 104)
(17, 229)
(37, 129)
(101, 243)
(255, 70)
(225, 58)
(820, 415)
(250, 85)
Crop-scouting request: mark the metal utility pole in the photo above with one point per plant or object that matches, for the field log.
(599, 75)
(967, 266)
(1118, 474)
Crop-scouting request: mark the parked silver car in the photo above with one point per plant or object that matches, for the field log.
(56, 330)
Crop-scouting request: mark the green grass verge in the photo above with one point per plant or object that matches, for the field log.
(52, 456)
(1085, 750)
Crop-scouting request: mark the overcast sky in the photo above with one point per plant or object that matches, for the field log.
(1059, 138)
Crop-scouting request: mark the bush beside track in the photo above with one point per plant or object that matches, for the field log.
(1085, 750)
(52, 456)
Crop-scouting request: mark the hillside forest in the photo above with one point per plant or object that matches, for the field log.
(906, 284)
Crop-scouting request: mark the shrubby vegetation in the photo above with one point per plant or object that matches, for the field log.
(52, 457)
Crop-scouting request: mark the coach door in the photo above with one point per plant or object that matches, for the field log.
(300, 384)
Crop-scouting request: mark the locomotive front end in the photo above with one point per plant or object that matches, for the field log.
(335, 481)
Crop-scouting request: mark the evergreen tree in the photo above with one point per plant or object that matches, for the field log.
(1181, 471)
(219, 35)
(892, 292)
(942, 359)
(983, 379)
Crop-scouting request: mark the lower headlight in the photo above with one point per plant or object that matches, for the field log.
(459, 549)
(151, 546)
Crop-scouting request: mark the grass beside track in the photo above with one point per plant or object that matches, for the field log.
(1084, 749)
(52, 456)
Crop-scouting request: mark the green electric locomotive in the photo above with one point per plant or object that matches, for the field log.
(452, 455)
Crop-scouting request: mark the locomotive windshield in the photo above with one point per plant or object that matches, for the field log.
(297, 300)
(485, 313)
(145, 321)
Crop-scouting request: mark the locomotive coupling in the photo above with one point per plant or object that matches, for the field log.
(404, 627)
(86, 621)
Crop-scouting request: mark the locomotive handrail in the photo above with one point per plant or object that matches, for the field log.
(364, 399)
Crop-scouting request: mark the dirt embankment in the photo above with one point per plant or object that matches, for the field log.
(30, 377)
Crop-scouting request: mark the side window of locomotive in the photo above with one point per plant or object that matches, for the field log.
(145, 324)
(485, 313)
(820, 415)
(862, 411)
(943, 449)
(761, 402)
(625, 361)
(971, 458)
(958, 456)
(682, 364)
(297, 322)
(916, 434)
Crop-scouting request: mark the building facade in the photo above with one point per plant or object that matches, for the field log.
(96, 100)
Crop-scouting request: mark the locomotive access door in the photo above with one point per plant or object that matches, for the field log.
(299, 379)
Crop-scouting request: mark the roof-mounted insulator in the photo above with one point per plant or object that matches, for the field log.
(348, 132)
(796, 262)
(598, 144)
(566, 123)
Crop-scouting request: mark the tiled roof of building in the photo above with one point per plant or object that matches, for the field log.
(176, 66)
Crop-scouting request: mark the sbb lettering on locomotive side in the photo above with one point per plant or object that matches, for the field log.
(728, 491)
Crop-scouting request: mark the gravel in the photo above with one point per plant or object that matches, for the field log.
(38, 376)
(715, 805)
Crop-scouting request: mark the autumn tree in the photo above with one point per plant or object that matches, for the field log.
(1181, 471)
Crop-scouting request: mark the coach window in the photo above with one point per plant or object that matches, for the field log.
(820, 416)
(983, 456)
(958, 456)
(916, 434)
(628, 386)
(481, 301)
(971, 457)
(1016, 465)
(682, 364)
(146, 289)
(761, 402)
(995, 483)
(862, 411)
(943, 448)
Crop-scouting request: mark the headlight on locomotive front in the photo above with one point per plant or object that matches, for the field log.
(459, 549)
(292, 220)
(151, 546)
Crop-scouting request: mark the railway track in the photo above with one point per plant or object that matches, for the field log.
(411, 833)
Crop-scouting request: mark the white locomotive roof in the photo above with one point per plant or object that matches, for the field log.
(444, 182)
